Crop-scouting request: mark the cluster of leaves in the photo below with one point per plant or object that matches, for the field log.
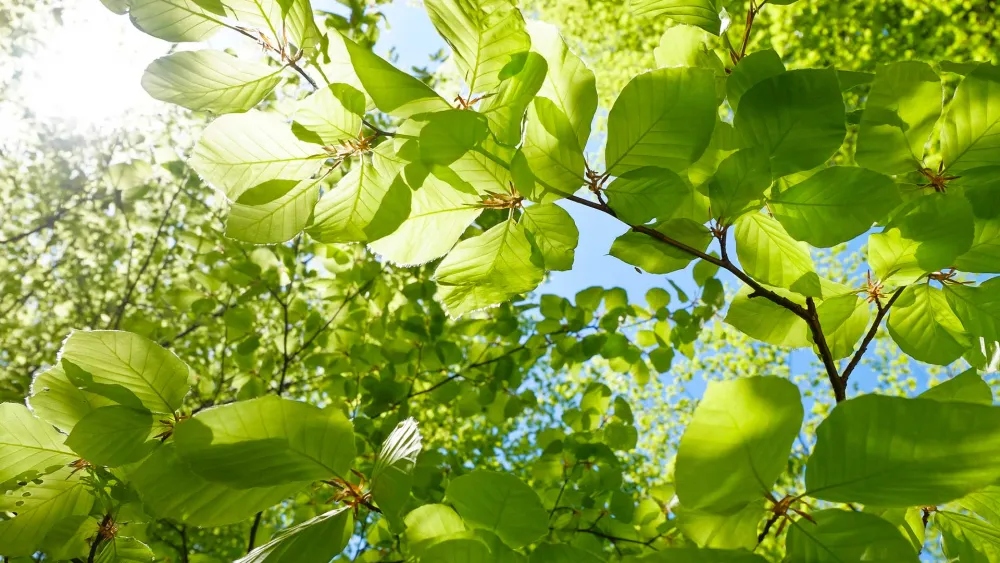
(124, 435)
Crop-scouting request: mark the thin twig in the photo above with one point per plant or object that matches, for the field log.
(253, 531)
(856, 359)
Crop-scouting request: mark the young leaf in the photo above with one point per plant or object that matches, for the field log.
(113, 436)
(751, 69)
(500, 503)
(967, 538)
(966, 387)
(39, 506)
(428, 523)
(902, 107)
(796, 117)
(176, 20)
(657, 257)
(838, 536)
(562, 553)
(738, 185)
(59, 402)
(844, 320)
(392, 476)
(568, 84)
(738, 443)
(122, 549)
(448, 135)
(366, 200)
(210, 81)
(488, 269)
(273, 212)
(978, 308)
(280, 20)
(923, 235)
(393, 91)
(661, 118)
(552, 230)
(330, 116)
(903, 452)
(644, 194)
(551, 151)
(459, 549)
(240, 151)
(924, 326)
(770, 256)
(734, 530)
(317, 539)
(694, 555)
(130, 363)
(970, 133)
(687, 46)
(701, 13)
(835, 205)
(266, 442)
(169, 488)
(28, 444)
(439, 215)
(505, 110)
(984, 254)
(484, 36)
(767, 321)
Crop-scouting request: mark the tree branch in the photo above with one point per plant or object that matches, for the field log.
(253, 531)
(856, 359)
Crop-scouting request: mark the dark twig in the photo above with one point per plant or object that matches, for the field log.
(856, 359)
(253, 531)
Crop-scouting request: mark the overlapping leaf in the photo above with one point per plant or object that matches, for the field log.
(210, 81)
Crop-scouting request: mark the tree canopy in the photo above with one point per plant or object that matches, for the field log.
(300, 316)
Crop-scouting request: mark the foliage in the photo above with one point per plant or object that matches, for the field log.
(236, 378)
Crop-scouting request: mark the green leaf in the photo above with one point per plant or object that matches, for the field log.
(552, 230)
(923, 325)
(484, 36)
(113, 436)
(488, 269)
(39, 506)
(766, 321)
(968, 539)
(835, 205)
(700, 13)
(330, 116)
(966, 387)
(439, 215)
(751, 69)
(265, 442)
(984, 502)
(175, 20)
(448, 135)
(28, 444)
(841, 536)
(661, 118)
(693, 555)
(57, 401)
(459, 549)
(899, 116)
(770, 256)
(170, 489)
(505, 110)
(121, 549)
(393, 91)
(69, 537)
(210, 81)
(657, 257)
(317, 539)
(735, 530)
(551, 152)
(738, 442)
(903, 452)
(978, 308)
(429, 522)
(392, 476)
(562, 553)
(119, 7)
(687, 46)
(127, 361)
(366, 200)
(283, 211)
(923, 235)
(984, 254)
(644, 194)
(796, 117)
(738, 185)
(970, 132)
(500, 503)
(569, 84)
(844, 320)
(240, 151)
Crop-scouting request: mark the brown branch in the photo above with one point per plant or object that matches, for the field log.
(856, 359)
(839, 388)
(253, 531)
